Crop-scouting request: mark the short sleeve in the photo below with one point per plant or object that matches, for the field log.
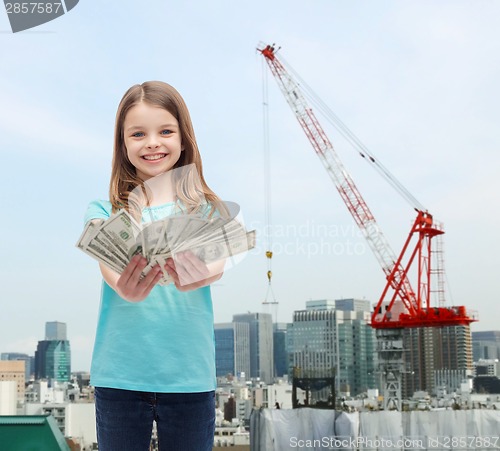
(98, 209)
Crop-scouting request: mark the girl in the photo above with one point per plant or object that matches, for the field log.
(153, 356)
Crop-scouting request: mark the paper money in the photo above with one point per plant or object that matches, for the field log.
(121, 230)
(213, 251)
(116, 240)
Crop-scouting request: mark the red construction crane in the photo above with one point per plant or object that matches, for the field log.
(399, 305)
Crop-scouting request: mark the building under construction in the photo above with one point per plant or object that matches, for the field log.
(436, 358)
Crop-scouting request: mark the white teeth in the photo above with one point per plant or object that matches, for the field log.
(154, 157)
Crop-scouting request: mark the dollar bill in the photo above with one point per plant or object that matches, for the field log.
(122, 230)
(219, 250)
(116, 240)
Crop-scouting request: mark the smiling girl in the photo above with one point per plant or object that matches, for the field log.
(153, 356)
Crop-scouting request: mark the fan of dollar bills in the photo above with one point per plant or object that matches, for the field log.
(116, 240)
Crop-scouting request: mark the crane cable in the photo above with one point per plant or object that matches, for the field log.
(352, 139)
(270, 298)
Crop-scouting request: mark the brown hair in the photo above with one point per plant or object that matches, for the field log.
(123, 173)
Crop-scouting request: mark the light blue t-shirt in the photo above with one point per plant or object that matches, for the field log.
(162, 344)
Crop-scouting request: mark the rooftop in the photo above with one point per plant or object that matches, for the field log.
(38, 432)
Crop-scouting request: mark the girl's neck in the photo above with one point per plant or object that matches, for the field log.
(160, 189)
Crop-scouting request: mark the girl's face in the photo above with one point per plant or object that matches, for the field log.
(152, 139)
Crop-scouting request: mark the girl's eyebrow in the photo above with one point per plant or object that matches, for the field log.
(133, 127)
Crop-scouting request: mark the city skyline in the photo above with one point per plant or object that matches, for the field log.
(338, 304)
(416, 81)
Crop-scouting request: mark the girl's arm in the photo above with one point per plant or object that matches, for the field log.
(128, 285)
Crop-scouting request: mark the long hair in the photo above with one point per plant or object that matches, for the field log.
(123, 174)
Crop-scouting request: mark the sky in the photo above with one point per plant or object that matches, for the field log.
(416, 81)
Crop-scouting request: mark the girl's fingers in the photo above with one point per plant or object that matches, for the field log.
(129, 276)
(184, 274)
(151, 279)
(171, 271)
(197, 266)
(170, 263)
(129, 270)
(190, 268)
(187, 271)
(171, 268)
(177, 282)
(135, 277)
(130, 283)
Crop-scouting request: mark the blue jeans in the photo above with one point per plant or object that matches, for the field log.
(124, 419)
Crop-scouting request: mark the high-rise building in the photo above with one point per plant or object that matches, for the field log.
(53, 360)
(353, 305)
(232, 348)
(280, 352)
(486, 345)
(54, 330)
(431, 349)
(320, 304)
(53, 356)
(330, 337)
(261, 344)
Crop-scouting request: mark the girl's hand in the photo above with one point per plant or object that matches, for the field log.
(129, 285)
(189, 272)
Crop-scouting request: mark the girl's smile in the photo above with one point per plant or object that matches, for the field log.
(154, 157)
(152, 140)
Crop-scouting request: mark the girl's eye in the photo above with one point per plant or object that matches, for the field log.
(166, 132)
(138, 134)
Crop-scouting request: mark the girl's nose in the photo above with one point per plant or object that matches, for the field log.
(153, 143)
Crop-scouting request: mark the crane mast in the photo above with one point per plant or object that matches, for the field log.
(399, 306)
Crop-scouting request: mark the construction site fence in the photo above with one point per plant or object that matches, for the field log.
(309, 429)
